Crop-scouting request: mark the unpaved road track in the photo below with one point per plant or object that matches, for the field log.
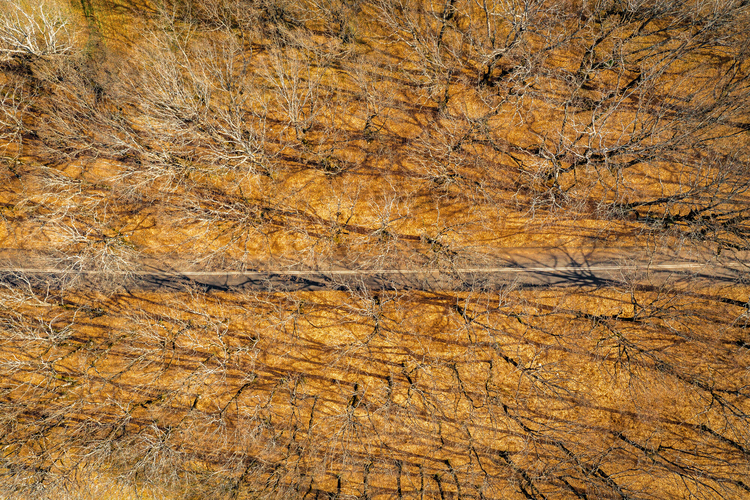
(546, 270)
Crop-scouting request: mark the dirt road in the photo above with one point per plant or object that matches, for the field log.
(538, 268)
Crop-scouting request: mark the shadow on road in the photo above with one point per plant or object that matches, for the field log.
(556, 268)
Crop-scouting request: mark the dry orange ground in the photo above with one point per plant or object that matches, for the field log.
(555, 394)
(380, 134)
(227, 148)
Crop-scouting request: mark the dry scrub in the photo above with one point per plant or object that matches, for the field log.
(371, 134)
(232, 135)
(593, 394)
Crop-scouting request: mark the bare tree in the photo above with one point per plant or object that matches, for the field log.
(32, 31)
(14, 103)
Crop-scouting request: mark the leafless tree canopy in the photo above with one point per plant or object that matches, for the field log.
(372, 134)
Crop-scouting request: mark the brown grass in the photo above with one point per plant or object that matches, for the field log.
(240, 136)
(265, 394)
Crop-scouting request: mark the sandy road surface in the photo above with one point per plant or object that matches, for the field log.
(540, 268)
